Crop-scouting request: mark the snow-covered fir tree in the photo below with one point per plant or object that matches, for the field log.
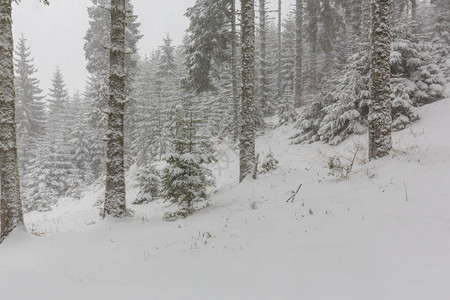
(62, 175)
(30, 107)
(187, 176)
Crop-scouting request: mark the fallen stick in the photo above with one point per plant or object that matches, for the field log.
(292, 198)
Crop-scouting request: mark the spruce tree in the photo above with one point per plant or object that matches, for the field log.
(10, 203)
(62, 172)
(298, 52)
(186, 177)
(380, 119)
(248, 126)
(115, 202)
(30, 108)
(208, 41)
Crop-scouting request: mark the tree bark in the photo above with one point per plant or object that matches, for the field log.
(279, 77)
(247, 134)
(262, 59)
(115, 204)
(298, 52)
(380, 120)
(11, 205)
(234, 74)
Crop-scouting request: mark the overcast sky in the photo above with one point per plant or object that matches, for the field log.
(55, 33)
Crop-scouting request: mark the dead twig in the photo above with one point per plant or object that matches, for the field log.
(406, 190)
(292, 198)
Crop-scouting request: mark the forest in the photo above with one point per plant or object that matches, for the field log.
(325, 114)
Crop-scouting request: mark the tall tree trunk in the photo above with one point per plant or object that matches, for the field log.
(298, 52)
(115, 204)
(11, 205)
(279, 80)
(247, 134)
(263, 97)
(313, 11)
(414, 10)
(356, 25)
(234, 75)
(380, 120)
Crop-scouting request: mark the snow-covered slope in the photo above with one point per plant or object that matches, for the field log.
(382, 234)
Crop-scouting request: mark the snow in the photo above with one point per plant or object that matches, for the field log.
(381, 234)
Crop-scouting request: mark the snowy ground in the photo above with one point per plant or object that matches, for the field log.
(382, 234)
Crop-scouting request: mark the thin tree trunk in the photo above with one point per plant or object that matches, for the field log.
(234, 75)
(356, 26)
(262, 58)
(11, 205)
(313, 11)
(247, 134)
(115, 204)
(298, 52)
(280, 80)
(414, 10)
(380, 120)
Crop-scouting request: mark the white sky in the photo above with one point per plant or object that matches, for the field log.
(55, 33)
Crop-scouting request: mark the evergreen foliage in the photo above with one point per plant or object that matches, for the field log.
(186, 178)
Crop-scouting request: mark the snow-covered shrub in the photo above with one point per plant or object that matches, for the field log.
(148, 183)
(286, 109)
(269, 163)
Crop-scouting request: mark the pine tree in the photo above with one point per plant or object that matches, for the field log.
(10, 206)
(115, 203)
(380, 119)
(30, 108)
(187, 177)
(247, 134)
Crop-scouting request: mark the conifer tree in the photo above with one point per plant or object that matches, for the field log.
(248, 130)
(10, 203)
(380, 119)
(187, 176)
(298, 52)
(62, 172)
(115, 203)
(30, 108)
(208, 41)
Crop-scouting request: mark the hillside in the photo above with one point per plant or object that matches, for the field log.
(381, 234)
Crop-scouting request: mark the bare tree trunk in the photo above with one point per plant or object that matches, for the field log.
(380, 120)
(115, 204)
(11, 205)
(356, 25)
(414, 10)
(298, 52)
(247, 134)
(234, 75)
(313, 11)
(263, 93)
(280, 80)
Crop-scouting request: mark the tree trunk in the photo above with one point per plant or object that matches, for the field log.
(11, 205)
(298, 52)
(279, 80)
(414, 10)
(247, 134)
(380, 120)
(262, 59)
(313, 11)
(356, 25)
(234, 75)
(115, 204)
